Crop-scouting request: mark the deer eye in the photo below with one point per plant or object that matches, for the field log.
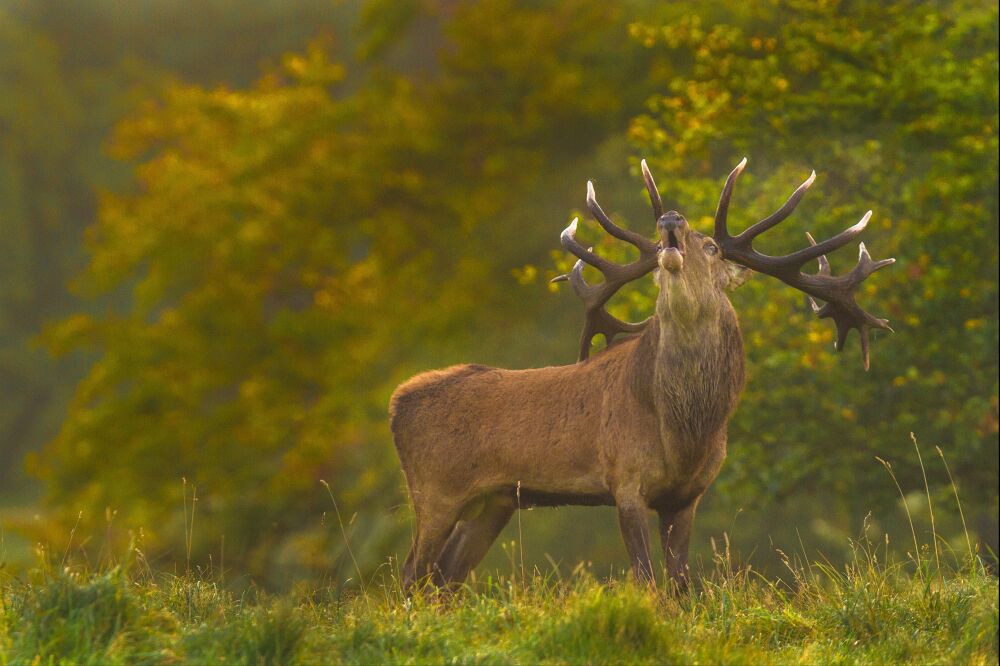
(711, 249)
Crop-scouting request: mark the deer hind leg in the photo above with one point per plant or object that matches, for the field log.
(434, 524)
(635, 531)
(408, 570)
(472, 538)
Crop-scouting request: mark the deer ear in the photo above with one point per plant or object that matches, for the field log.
(736, 275)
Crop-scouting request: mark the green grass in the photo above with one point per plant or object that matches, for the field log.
(867, 612)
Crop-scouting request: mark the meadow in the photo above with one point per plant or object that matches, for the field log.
(869, 612)
(936, 605)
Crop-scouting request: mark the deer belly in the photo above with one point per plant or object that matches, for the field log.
(528, 497)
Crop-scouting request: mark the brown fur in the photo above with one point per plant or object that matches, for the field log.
(641, 425)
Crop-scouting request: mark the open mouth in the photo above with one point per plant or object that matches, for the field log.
(671, 252)
(670, 227)
(672, 241)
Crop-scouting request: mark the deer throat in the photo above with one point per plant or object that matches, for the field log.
(684, 306)
(697, 376)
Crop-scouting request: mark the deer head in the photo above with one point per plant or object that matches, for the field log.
(695, 269)
(693, 274)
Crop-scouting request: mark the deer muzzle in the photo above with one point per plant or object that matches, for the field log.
(671, 226)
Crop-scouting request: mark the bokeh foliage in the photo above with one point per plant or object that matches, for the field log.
(70, 71)
(291, 249)
(39, 183)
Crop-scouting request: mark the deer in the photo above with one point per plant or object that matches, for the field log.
(641, 425)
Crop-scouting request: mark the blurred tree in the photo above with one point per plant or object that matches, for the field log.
(895, 106)
(39, 190)
(70, 71)
(209, 42)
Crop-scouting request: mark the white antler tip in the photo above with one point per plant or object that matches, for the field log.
(590, 190)
(570, 231)
(810, 179)
(862, 223)
(742, 164)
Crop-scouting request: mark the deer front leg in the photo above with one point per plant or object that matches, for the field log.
(675, 535)
(635, 532)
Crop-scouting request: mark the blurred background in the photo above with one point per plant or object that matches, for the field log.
(230, 229)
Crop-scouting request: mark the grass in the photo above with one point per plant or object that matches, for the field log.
(867, 612)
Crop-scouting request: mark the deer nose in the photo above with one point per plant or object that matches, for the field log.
(671, 221)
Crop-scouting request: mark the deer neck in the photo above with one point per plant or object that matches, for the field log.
(692, 369)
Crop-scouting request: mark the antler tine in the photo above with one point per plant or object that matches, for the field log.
(866, 265)
(780, 214)
(568, 240)
(595, 296)
(837, 291)
(722, 212)
(654, 194)
(824, 264)
(587, 292)
(800, 257)
(645, 245)
(824, 269)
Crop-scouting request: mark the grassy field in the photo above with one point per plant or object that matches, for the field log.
(868, 612)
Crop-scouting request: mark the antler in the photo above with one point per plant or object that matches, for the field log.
(836, 290)
(595, 296)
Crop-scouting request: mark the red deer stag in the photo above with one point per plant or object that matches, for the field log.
(640, 426)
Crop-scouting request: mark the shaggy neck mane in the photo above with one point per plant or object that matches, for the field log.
(690, 373)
